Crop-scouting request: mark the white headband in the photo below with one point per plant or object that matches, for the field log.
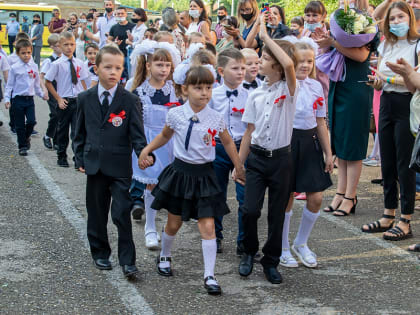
(148, 47)
(306, 40)
(180, 73)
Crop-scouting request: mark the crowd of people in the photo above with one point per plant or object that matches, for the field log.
(159, 114)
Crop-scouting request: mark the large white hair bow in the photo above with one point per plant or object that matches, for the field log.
(180, 73)
(306, 40)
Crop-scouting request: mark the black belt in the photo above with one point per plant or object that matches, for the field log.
(24, 97)
(237, 142)
(70, 99)
(256, 149)
(397, 93)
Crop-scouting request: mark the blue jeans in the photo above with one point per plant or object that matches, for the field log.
(418, 182)
(137, 191)
(23, 108)
(223, 166)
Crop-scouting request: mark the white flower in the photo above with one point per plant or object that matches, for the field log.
(357, 27)
(370, 30)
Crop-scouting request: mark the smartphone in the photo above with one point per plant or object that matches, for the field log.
(265, 7)
(366, 81)
(229, 27)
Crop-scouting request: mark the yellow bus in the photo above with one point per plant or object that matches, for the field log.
(45, 11)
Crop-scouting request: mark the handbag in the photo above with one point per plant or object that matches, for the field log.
(415, 156)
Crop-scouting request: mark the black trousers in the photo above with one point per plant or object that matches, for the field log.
(99, 190)
(396, 144)
(66, 120)
(52, 122)
(11, 41)
(23, 108)
(274, 173)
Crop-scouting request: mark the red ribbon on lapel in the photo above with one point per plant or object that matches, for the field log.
(32, 74)
(212, 133)
(78, 71)
(235, 110)
(279, 99)
(112, 116)
(319, 102)
(173, 104)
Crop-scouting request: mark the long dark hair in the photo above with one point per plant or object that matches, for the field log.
(203, 15)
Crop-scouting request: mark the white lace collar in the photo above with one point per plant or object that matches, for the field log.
(150, 90)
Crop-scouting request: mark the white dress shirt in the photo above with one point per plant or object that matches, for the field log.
(271, 109)
(138, 34)
(47, 63)
(111, 91)
(60, 72)
(310, 104)
(23, 81)
(231, 108)
(104, 24)
(4, 64)
(201, 148)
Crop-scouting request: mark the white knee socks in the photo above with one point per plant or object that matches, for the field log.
(209, 257)
(167, 242)
(305, 228)
(286, 226)
(150, 225)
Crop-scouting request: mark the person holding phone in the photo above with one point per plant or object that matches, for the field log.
(56, 25)
(227, 41)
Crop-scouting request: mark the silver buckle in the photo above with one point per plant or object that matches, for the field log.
(270, 154)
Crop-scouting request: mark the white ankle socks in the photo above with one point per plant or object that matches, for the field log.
(305, 228)
(286, 226)
(209, 257)
(150, 225)
(167, 241)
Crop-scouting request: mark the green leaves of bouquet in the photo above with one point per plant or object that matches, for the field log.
(355, 23)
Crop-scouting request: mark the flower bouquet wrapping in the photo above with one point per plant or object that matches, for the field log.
(350, 29)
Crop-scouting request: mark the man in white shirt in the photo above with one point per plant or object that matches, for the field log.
(104, 23)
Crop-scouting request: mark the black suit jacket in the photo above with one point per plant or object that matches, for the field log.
(102, 144)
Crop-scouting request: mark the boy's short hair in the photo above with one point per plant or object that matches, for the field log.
(248, 52)
(211, 48)
(158, 36)
(91, 45)
(122, 8)
(151, 30)
(197, 35)
(107, 49)
(203, 57)
(288, 48)
(226, 55)
(22, 43)
(21, 35)
(89, 16)
(66, 35)
(53, 39)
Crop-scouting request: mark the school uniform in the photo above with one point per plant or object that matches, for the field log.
(4, 66)
(60, 71)
(231, 104)
(271, 109)
(251, 86)
(52, 102)
(23, 83)
(308, 158)
(109, 127)
(189, 187)
(91, 74)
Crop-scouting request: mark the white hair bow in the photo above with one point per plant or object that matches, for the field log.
(306, 40)
(180, 73)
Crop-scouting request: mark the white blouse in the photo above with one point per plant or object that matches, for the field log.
(202, 145)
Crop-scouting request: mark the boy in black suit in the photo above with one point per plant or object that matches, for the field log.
(109, 126)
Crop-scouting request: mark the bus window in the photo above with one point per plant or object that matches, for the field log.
(46, 17)
(29, 14)
(4, 16)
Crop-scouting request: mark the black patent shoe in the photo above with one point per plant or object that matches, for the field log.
(212, 289)
(246, 265)
(273, 275)
(23, 151)
(129, 271)
(62, 162)
(166, 272)
(103, 264)
(47, 142)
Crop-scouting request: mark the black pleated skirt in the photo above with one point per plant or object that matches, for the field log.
(308, 162)
(190, 191)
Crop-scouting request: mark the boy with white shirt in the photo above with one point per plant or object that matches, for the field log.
(23, 83)
(229, 99)
(70, 74)
(252, 64)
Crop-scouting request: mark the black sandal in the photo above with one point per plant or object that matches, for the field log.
(415, 249)
(330, 208)
(398, 233)
(344, 213)
(376, 227)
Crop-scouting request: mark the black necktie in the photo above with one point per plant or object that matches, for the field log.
(73, 72)
(193, 120)
(253, 85)
(234, 93)
(105, 104)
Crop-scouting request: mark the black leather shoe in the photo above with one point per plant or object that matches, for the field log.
(166, 272)
(213, 289)
(129, 271)
(103, 264)
(62, 162)
(246, 265)
(219, 245)
(273, 275)
(47, 143)
(23, 151)
(137, 211)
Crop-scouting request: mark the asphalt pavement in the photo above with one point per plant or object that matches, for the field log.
(46, 267)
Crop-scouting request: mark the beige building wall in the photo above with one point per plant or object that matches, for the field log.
(68, 6)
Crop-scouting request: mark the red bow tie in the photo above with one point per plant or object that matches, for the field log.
(90, 64)
(319, 102)
(170, 104)
(212, 133)
(235, 110)
(283, 97)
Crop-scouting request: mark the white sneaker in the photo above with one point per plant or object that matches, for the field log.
(152, 242)
(287, 260)
(305, 255)
(372, 162)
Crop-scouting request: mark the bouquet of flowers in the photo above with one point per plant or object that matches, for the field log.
(355, 23)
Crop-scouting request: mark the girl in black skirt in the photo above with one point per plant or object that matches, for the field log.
(309, 142)
(188, 188)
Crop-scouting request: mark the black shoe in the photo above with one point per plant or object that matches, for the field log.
(1, 123)
(13, 130)
(129, 271)
(137, 211)
(166, 272)
(246, 265)
(23, 151)
(47, 143)
(55, 147)
(213, 289)
(34, 132)
(219, 245)
(62, 162)
(273, 275)
(103, 264)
